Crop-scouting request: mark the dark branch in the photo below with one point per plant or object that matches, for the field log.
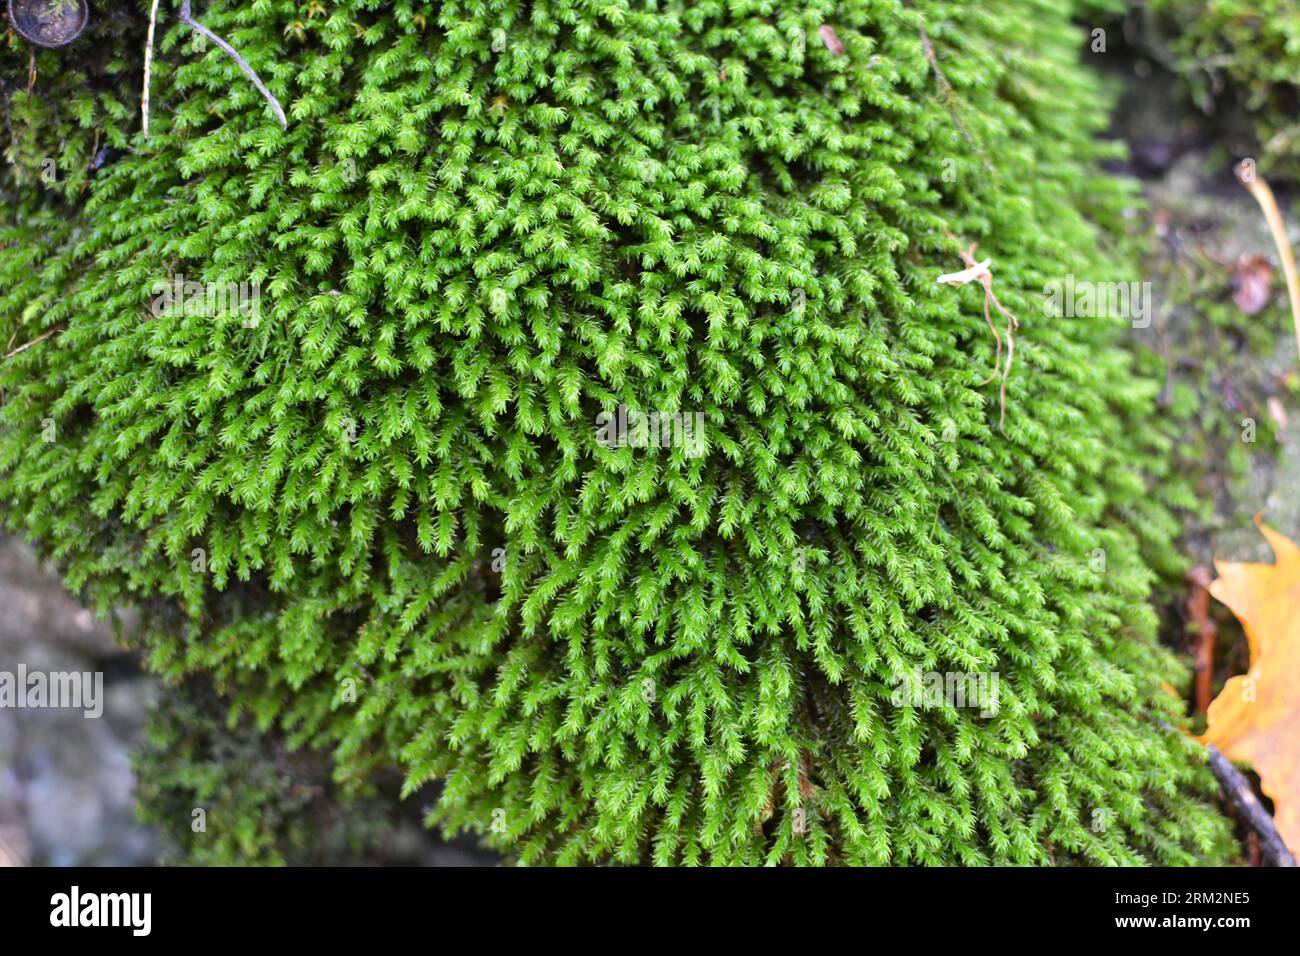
(1243, 796)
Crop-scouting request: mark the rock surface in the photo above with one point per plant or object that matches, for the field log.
(65, 779)
(66, 786)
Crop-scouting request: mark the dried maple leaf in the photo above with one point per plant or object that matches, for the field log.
(1256, 717)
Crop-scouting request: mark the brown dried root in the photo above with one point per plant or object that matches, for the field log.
(979, 271)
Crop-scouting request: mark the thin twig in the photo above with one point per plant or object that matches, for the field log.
(148, 65)
(40, 338)
(930, 55)
(1242, 795)
(950, 96)
(188, 19)
(1249, 177)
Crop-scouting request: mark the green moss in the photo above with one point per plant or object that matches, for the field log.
(380, 516)
(225, 795)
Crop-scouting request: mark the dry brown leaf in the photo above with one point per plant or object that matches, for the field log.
(1252, 283)
(1256, 717)
(1277, 412)
(831, 39)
